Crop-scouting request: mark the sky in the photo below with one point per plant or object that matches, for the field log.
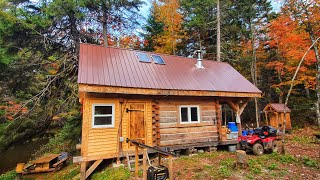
(144, 11)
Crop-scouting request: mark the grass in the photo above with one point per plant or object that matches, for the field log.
(112, 174)
(304, 140)
(214, 165)
(309, 161)
(226, 167)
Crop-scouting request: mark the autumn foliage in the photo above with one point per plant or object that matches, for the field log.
(11, 109)
(290, 44)
(167, 12)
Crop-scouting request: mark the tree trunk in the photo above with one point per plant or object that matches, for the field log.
(105, 28)
(254, 71)
(218, 32)
(316, 51)
(74, 32)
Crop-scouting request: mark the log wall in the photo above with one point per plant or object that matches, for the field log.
(173, 133)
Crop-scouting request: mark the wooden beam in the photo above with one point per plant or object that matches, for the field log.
(243, 106)
(83, 168)
(144, 173)
(145, 91)
(170, 168)
(136, 164)
(93, 167)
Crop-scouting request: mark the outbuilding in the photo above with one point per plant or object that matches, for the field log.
(275, 113)
(162, 100)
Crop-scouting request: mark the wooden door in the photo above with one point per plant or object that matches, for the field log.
(273, 120)
(137, 121)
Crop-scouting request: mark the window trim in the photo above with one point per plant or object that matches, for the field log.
(189, 114)
(103, 115)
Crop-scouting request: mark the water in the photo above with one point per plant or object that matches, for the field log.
(21, 153)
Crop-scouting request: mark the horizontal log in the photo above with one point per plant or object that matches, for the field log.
(146, 91)
(208, 118)
(168, 108)
(186, 146)
(187, 129)
(188, 141)
(168, 119)
(168, 114)
(165, 137)
(208, 113)
(207, 107)
(177, 125)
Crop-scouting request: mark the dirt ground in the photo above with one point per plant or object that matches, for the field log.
(301, 161)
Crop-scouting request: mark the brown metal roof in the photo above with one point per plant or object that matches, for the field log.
(121, 67)
(279, 107)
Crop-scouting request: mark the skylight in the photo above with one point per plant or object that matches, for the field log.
(157, 59)
(143, 57)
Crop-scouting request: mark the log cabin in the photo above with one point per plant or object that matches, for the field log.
(162, 100)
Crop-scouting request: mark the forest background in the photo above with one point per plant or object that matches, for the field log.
(39, 48)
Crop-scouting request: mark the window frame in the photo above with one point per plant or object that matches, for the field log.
(103, 115)
(189, 114)
(153, 56)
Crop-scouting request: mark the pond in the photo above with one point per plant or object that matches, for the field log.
(20, 153)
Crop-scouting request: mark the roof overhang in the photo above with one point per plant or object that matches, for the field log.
(167, 92)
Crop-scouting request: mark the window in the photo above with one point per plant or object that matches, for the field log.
(189, 114)
(157, 59)
(102, 115)
(143, 57)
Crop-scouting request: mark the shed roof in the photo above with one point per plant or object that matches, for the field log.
(278, 107)
(118, 67)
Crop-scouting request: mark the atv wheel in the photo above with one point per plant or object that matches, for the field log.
(257, 149)
(275, 147)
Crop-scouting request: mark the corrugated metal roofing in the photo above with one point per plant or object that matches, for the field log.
(121, 67)
(279, 107)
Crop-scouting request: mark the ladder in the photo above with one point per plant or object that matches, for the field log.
(130, 161)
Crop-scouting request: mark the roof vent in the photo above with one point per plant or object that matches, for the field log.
(199, 60)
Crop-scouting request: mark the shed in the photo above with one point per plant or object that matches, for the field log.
(274, 114)
(163, 100)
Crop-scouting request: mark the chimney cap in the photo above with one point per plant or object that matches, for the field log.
(199, 60)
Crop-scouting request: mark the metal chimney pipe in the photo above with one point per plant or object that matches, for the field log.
(199, 60)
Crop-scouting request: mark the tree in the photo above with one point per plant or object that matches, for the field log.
(306, 15)
(199, 22)
(153, 29)
(114, 15)
(167, 12)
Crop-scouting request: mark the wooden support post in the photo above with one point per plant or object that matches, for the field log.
(170, 168)
(83, 169)
(145, 151)
(136, 165)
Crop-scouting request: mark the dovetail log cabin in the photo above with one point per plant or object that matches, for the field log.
(163, 100)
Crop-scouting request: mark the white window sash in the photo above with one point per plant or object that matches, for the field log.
(103, 115)
(189, 114)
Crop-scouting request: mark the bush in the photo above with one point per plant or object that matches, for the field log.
(66, 139)
(8, 175)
